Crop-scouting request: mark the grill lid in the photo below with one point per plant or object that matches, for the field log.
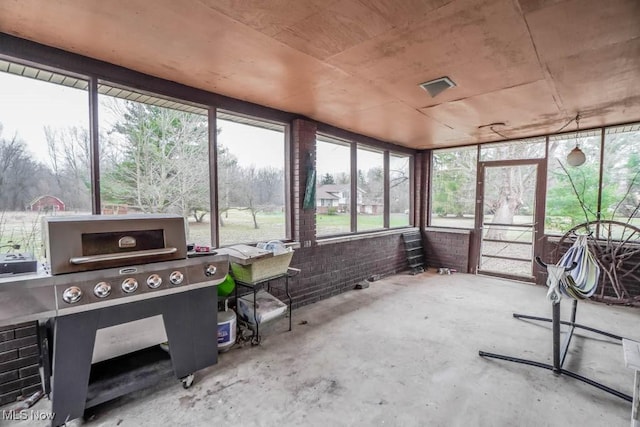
(92, 242)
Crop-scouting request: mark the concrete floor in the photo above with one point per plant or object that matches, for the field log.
(403, 352)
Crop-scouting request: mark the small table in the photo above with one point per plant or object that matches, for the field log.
(256, 286)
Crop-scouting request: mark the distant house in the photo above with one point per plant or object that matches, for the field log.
(115, 209)
(46, 204)
(371, 207)
(335, 196)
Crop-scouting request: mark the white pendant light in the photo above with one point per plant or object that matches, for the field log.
(576, 157)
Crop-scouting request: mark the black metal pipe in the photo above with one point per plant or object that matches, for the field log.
(565, 345)
(561, 371)
(566, 322)
(597, 385)
(516, 360)
(555, 312)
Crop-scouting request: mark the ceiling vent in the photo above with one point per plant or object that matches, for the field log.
(435, 87)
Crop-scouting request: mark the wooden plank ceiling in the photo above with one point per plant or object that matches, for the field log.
(357, 64)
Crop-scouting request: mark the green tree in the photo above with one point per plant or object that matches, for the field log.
(164, 165)
(20, 175)
(454, 181)
(562, 201)
(70, 161)
(259, 190)
(327, 179)
(621, 175)
(228, 177)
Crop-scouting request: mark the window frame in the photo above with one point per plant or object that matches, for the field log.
(387, 152)
(245, 119)
(324, 138)
(430, 191)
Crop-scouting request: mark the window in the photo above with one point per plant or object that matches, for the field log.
(334, 198)
(572, 192)
(333, 186)
(531, 148)
(621, 174)
(370, 187)
(453, 187)
(251, 180)
(399, 190)
(44, 152)
(154, 158)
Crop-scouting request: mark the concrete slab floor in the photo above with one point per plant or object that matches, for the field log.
(403, 352)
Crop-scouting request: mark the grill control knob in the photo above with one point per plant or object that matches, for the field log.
(102, 290)
(210, 270)
(154, 281)
(176, 277)
(129, 285)
(72, 295)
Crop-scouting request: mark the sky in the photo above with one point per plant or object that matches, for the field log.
(28, 105)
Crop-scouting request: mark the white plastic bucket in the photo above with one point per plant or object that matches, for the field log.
(226, 329)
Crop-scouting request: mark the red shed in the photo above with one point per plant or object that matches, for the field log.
(46, 204)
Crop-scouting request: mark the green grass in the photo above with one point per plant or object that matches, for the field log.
(239, 228)
(327, 225)
(24, 228)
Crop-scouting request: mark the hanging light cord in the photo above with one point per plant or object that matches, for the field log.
(498, 133)
(578, 130)
(576, 119)
(491, 126)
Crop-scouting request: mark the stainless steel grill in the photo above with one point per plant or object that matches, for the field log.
(116, 284)
(83, 243)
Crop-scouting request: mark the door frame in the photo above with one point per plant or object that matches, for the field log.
(539, 214)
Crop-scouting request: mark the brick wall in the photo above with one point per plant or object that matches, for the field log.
(328, 269)
(19, 375)
(331, 269)
(447, 248)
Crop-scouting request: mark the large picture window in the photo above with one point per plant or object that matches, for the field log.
(333, 186)
(370, 188)
(44, 152)
(453, 187)
(399, 189)
(621, 175)
(251, 180)
(572, 192)
(154, 158)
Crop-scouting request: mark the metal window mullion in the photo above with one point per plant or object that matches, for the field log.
(213, 176)
(413, 195)
(386, 198)
(601, 174)
(426, 179)
(354, 187)
(94, 146)
(478, 214)
(288, 179)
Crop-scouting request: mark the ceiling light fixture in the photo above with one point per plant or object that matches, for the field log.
(576, 157)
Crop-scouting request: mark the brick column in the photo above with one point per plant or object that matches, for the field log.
(303, 141)
(422, 168)
(19, 355)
